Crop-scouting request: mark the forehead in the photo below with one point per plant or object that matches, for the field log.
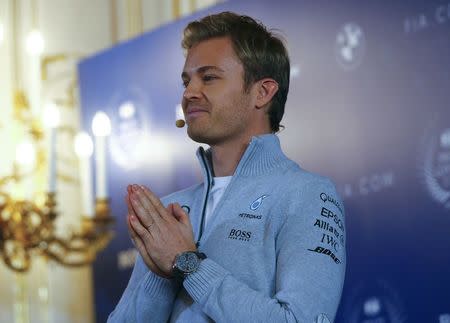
(217, 52)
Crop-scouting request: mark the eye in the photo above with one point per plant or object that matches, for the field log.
(185, 83)
(207, 78)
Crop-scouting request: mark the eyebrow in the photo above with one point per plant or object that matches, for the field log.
(203, 69)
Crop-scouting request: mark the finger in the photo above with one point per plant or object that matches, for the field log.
(133, 235)
(143, 232)
(144, 210)
(131, 210)
(156, 202)
(146, 201)
(129, 206)
(137, 241)
(180, 214)
(142, 250)
(169, 209)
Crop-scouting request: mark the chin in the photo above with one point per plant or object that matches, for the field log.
(197, 136)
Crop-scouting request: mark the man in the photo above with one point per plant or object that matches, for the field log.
(260, 240)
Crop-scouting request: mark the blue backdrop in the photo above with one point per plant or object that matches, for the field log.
(369, 106)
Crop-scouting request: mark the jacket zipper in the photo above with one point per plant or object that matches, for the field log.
(202, 222)
(208, 177)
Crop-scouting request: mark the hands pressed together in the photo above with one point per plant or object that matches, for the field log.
(157, 232)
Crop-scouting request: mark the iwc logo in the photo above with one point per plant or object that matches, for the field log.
(373, 303)
(350, 45)
(435, 163)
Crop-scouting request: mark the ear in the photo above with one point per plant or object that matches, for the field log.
(266, 89)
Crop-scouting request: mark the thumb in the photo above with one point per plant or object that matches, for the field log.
(180, 214)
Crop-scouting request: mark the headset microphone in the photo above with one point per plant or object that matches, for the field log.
(180, 123)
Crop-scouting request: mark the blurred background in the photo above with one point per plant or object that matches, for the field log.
(89, 94)
(41, 43)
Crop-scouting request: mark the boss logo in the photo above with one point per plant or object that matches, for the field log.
(237, 234)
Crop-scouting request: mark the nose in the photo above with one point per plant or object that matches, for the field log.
(192, 91)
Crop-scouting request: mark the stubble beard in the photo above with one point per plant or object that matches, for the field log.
(196, 135)
(214, 132)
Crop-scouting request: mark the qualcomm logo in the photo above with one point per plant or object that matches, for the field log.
(257, 203)
(435, 164)
(350, 45)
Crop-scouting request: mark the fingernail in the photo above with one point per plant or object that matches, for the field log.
(135, 187)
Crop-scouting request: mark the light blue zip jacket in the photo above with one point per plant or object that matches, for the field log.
(275, 246)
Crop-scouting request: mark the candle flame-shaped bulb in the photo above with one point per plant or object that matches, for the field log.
(84, 146)
(51, 115)
(101, 125)
(26, 154)
(35, 43)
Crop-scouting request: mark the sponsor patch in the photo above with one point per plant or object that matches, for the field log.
(327, 252)
(238, 234)
(257, 203)
(250, 216)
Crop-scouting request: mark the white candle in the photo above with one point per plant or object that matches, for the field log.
(35, 47)
(100, 167)
(51, 171)
(84, 149)
(35, 83)
(51, 120)
(101, 127)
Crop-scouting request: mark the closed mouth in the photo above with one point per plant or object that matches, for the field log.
(194, 111)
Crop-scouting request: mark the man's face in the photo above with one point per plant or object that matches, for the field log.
(215, 105)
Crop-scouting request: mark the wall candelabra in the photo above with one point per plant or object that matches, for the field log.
(28, 218)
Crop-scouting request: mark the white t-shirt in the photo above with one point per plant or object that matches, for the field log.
(215, 194)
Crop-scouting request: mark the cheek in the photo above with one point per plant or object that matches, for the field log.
(236, 111)
(183, 104)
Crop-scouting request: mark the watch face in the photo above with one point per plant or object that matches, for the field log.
(187, 262)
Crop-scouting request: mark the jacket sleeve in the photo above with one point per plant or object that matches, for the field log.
(147, 298)
(310, 266)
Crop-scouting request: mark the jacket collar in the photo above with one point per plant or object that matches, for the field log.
(262, 155)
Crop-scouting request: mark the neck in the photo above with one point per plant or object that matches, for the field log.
(227, 154)
(226, 157)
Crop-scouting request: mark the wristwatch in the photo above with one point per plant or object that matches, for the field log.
(187, 263)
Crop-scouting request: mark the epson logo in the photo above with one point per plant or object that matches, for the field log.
(329, 214)
(237, 234)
